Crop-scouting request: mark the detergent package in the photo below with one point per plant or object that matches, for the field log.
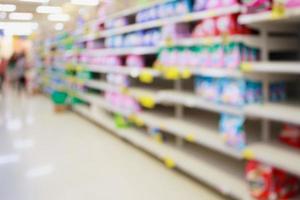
(266, 182)
(232, 131)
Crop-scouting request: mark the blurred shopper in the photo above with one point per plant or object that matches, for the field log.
(3, 66)
(20, 71)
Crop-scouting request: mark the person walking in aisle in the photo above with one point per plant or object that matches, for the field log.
(3, 65)
(21, 72)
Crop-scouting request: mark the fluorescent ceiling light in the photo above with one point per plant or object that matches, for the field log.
(36, 1)
(3, 15)
(59, 26)
(59, 17)
(48, 9)
(7, 7)
(20, 16)
(85, 2)
(18, 28)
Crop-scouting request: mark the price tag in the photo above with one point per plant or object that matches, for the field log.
(246, 67)
(139, 122)
(80, 68)
(211, 13)
(208, 41)
(124, 90)
(190, 138)
(158, 138)
(147, 101)
(278, 10)
(188, 17)
(186, 74)
(169, 42)
(169, 162)
(146, 77)
(172, 73)
(248, 154)
(225, 39)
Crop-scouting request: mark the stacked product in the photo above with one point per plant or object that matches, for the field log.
(237, 92)
(228, 56)
(254, 6)
(115, 23)
(141, 38)
(122, 102)
(270, 183)
(168, 9)
(200, 5)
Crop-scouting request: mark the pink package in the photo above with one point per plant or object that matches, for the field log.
(292, 3)
(217, 56)
(257, 5)
(135, 61)
(175, 31)
(213, 4)
(229, 2)
(207, 27)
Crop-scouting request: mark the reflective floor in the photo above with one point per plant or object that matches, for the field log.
(48, 156)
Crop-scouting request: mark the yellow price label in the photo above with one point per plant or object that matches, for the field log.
(158, 138)
(124, 90)
(248, 154)
(186, 74)
(211, 13)
(139, 122)
(278, 10)
(190, 138)
(188, 17)
(246, 67)
(80, 68)
(169, 162)
(207, 41)
(172, 73)
(146, 77)
(147, 101)
(169, 42)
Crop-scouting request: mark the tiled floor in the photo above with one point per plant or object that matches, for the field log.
(47, 156)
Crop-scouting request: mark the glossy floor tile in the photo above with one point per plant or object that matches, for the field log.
(48, 156)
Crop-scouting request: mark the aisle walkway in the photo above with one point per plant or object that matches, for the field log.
(45, 156)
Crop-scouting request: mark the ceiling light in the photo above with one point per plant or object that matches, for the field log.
(85, 2)
(20, 16)
(48, 9)
(3, 15)
(18, 28)
(7, 7)
(36, 1)
(59, 17)
(59, 26)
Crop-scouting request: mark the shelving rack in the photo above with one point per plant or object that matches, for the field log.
(215, 164)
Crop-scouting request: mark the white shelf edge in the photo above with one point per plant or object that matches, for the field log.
(211, 175)
(273, 67)
(282, 112)
(121, 51)
(278, 155)
(267, 16)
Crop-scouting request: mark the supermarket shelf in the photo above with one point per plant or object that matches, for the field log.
(277, 155)
(101, 85)
(132, 71)
(201, 134)
(217, 72)
(191, 100)
(178, 19)
(272, 67)
(211, 174)
(249, 40)
(282, 112)
(121, 51)
(198, 133)
(290, 16)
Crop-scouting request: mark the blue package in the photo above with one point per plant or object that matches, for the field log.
(233, 91)
(232, 130)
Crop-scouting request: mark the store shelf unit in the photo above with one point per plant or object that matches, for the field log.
(186, 129)
(213, 176)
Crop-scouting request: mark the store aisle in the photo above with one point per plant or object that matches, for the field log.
(63, 157)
